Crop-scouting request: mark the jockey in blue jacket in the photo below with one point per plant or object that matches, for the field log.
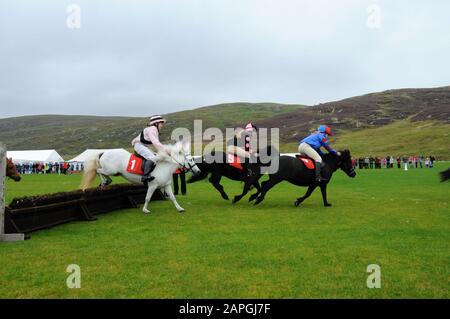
(310, 146)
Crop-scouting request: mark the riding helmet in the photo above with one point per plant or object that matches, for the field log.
(156, 119)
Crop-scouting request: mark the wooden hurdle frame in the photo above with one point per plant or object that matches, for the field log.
(3, 236)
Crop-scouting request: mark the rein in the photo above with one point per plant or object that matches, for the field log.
(183, 164)
(338, 165)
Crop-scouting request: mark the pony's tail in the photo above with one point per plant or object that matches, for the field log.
(203, 174)
(90, 171)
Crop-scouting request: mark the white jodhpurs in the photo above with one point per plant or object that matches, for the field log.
(144, 151)
(306, 149)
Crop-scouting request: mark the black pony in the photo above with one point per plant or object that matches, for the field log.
(218, 168)
(294, 171)
(445, 175)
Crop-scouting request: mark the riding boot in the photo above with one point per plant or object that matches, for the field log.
(149, 165)
(318, 176)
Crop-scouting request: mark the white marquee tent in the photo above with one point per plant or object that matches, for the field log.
(40, 156)
(81, 158)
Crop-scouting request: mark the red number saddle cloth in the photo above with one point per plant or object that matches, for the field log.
(309, 163)
(135, 165)
(234, 161)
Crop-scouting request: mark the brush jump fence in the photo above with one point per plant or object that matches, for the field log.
(27, 214)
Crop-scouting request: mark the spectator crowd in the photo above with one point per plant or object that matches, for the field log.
(48, 168)
(370, 162)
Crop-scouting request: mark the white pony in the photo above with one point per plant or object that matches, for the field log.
(115, 162)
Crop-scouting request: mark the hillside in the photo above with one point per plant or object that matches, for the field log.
(366, 111)
(71, 134)
(408, 121)
(403, 137)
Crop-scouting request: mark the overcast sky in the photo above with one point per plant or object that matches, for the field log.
(138, 58)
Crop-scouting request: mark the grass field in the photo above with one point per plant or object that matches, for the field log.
(398, 220)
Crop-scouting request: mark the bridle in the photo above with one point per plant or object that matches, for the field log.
(352, 170)
(182, 165)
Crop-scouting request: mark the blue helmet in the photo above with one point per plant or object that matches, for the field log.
(324, 129)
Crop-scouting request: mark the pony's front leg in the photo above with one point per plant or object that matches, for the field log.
(215, 180)
(323, 189)
(248, 183)
(151, 189)
(258, 190)
(265, 187)
(168, 191)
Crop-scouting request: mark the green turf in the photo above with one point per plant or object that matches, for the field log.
(398, 220)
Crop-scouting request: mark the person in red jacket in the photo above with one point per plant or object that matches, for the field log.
(179, 172)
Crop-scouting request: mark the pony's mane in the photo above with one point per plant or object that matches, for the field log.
(345, 154)
(174, 148)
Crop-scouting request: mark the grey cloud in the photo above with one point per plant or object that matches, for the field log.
(135, 58)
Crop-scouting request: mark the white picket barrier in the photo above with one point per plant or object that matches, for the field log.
(3, 236)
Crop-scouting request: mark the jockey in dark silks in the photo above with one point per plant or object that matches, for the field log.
(310, 146)
(241, 146)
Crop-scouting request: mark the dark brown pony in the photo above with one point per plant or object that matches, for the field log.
(215, 164)
(445, 175)
(11, 170)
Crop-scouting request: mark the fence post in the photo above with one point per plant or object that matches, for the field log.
(3, 236)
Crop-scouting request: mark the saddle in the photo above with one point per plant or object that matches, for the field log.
(136, 164)
(234, 161)
(308, 161)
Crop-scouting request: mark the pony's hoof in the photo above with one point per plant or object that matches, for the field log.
(181, 210)
(252, 198)
(146, 211)
(258, 200)
(328, 205)
(235, 200)
(297, 203)
(225, 197)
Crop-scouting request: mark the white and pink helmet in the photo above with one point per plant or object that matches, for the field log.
(156, 119)
(250, 127)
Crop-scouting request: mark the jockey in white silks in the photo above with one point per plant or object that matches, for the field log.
(149, 137)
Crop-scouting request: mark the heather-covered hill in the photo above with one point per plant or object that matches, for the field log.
(418, 117)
